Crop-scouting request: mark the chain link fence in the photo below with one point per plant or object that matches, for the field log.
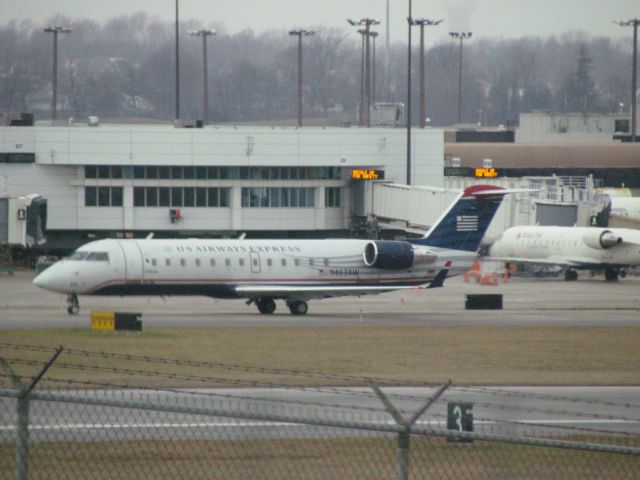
(99, 415)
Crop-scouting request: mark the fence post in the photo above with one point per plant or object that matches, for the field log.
(404, 437)
(22, 438)
(404, 442)
(22, 427)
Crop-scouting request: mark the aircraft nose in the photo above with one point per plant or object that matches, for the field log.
(47, 279)
(42, 279)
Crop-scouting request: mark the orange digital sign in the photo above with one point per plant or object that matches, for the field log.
(367, 174)
(486, 173)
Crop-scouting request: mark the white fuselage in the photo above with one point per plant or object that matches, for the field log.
(216, 267)
(569, 246)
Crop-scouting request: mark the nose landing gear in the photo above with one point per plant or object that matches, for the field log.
(73, 306)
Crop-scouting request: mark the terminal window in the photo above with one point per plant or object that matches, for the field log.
(103, 196)
(266, 197)
(180, 197)
(333, 197)
(178, 172)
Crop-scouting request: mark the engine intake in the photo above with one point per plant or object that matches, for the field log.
(599, 239)
(388, 255)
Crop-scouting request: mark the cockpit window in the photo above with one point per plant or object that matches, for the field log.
(98, 257)
(78, 256)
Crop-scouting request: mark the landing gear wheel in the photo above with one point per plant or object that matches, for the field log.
(298, 307)
(611, 275)
(570, 275)
(74, 306)
(266, 305)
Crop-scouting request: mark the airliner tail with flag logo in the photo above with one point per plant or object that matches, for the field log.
(266, 271)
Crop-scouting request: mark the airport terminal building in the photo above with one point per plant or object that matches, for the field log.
(130, 180)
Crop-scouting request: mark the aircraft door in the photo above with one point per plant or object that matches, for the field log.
(132, 260)
(255, 262)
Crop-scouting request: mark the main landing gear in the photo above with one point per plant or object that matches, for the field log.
(298, 307)
(570, 275)
(73, 305)
(611, 274)
(267, 306)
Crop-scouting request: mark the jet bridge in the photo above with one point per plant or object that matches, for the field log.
(395, 209)
(22, 220)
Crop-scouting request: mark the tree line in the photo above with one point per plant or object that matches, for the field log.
(125, 67)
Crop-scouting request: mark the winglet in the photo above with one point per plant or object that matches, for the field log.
(439, 279)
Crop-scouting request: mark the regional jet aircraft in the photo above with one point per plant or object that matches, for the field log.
(263, 271)
(571, 248)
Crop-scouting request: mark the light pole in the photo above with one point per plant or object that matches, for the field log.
(177, 34)
(367, 22)
(54, 99)
(204, 34)
(634, 71)
(423, 22)
(362, 33)
(300, 33)
(461, 36)
(373, 69)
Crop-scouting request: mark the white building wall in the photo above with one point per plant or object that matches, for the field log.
(61, 154)
(561, 128)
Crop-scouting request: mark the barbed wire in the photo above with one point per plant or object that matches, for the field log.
(545, 396)
(220, 365)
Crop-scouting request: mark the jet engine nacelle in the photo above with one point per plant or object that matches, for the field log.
(599, 239)
(389, 255)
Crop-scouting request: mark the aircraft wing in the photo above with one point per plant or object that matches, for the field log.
(327, 291)
(575, 262)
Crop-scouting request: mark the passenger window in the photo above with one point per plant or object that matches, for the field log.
(183, 262)
(255, 262)
(227, 262)
(212, 262)
(197, 262)
(283, 262)
(154, 262)
(269, 262)
(241, 262)
(167, 262)
(296, 262)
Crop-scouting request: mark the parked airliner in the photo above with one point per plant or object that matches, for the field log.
(263, 271)
(571, 248)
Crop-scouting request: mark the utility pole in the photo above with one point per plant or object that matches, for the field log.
(54, 99)
(461, 36)
(634, 73)
(409, 98)
(367, 22)
(300, 33)
(205, 105)
(422, 22)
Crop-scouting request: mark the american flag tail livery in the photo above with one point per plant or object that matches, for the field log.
(467, 220)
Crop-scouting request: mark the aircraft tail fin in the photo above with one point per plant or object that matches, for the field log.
(466, 221)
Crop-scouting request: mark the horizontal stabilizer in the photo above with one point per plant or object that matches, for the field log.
(438, 281)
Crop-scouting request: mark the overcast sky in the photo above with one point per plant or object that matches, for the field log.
(485, 18)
